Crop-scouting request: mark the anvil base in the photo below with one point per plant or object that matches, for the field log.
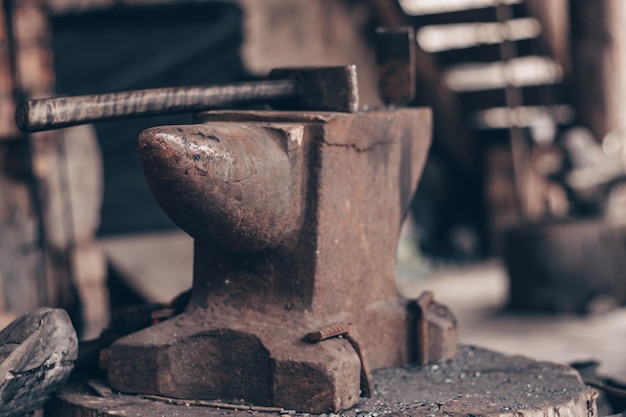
(192, 357)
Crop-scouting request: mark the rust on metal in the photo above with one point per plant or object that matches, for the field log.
(333, 330)
(365, 384)
(436, 332)
(277, 202)
(423, 302)
(348, 331)
(329, 89)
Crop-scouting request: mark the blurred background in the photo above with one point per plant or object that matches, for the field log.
(518, 220)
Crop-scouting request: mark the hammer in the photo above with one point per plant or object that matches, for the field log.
(315, 88)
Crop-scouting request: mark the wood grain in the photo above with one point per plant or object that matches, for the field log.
(477, 382)
(53, 113)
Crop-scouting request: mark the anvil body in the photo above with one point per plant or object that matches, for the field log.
(296, 218)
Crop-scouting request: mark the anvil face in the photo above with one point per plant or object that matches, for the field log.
(296, 218)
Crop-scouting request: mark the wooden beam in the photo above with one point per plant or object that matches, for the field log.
(599, 63)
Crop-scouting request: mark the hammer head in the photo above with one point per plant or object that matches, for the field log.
(397, 65)
(323, 88)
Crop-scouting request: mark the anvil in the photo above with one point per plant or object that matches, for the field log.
(295, 218)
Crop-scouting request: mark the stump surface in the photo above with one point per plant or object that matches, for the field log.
(477, 382)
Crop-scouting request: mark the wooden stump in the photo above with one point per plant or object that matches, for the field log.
(476, 382)
(566, 265)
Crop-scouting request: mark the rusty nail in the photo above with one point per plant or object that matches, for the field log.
(333, 330)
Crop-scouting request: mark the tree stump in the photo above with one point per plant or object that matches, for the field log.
(566, 265)
(477, 382)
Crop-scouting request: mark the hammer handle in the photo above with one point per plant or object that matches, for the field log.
(54, 113)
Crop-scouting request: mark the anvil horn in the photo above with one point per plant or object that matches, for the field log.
(225, 184)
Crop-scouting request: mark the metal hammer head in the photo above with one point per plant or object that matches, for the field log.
(397, 65)
(323, 88)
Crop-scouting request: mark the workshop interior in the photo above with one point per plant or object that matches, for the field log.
(313, 207)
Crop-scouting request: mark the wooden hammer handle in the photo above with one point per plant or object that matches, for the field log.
(54, 113)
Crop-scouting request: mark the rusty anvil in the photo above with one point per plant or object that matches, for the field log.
(296, 218)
